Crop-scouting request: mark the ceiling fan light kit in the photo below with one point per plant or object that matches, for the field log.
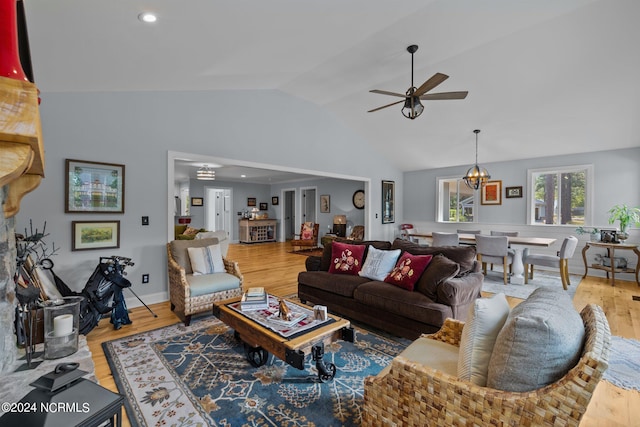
(412, 106)
(476, 176)
(205, 173)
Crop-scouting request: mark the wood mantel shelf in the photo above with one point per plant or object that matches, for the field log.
(21, 148)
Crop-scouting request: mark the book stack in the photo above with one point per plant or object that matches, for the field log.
(254, 299)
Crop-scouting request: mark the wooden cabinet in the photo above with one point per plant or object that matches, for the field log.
(21, 148)
(257, 230)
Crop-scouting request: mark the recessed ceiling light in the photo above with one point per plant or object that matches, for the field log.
(147, 17)
(243, 176)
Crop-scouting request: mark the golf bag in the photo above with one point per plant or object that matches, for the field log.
(102, 293)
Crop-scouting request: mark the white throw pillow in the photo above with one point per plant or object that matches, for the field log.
(379, 263)
(206, 260)
(484, 322)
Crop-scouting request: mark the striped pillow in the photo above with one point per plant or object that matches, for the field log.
(206, 260)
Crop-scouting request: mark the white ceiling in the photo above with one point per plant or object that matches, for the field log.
(545, 77)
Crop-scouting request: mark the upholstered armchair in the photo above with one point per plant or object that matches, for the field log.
(357, 233)
(410, 393)
(308, 237)
(191, 293)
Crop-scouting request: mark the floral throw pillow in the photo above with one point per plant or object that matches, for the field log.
(346, 258)
(408, 270)
(307, 231)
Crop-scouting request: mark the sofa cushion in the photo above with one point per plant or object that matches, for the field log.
(336, 284)
(408, 270)
(439, 270)
(390, 298)
(435, 354)
(378, 263)
(484, 321)
(541, 340)
(205, 284)
(181, 256)
(463, 255)
(346, 258)
(207, 260)
(327, 251)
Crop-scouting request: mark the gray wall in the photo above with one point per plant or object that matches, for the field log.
(138, 129)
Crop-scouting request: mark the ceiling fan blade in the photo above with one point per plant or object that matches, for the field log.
(385, 92)
(385, 106)
(444, 95)
(434, 81)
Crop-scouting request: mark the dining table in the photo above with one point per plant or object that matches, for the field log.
(517, 268)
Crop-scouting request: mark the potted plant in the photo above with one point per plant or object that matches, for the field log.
(594, 233)
(626, 216)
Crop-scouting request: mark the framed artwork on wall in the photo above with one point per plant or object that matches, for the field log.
(264, 206)
(388, 202)
(251, 201)
(86, 235)
(325, 203)
(275, 200)
(492, 193)
(93, 187)
(513, 192)
(197, 201)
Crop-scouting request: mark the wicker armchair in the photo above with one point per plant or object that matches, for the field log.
(411, 394)
(186, 302)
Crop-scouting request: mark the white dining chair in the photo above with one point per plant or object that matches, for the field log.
(444, 239)
(494, 249)
(560, 261)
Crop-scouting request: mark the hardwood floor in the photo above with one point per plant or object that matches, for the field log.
(272, 265)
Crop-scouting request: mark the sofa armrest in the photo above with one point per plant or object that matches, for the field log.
(313, 263)
(233, 268)
(460, 290)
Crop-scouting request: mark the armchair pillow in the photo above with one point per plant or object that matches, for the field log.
(346, 259)
(379, 263)
(439, 270)
(206, 260)
(540, 341)
(484, 322)
(408, 270)
(307, 231)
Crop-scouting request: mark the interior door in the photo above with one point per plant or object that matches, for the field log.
(290, 224)
(309, 205)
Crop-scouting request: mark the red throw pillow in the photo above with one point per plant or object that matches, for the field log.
(346, 258)
(408, 270)
(307, 231)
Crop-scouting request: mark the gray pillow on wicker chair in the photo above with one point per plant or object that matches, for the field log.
(540, 341)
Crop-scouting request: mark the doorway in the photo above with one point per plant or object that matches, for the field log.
(218, 210)
(289, 228)
(308, 204)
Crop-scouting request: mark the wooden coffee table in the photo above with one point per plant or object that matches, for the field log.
(260, 341)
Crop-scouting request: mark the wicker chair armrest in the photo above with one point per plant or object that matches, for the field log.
(177, 275)
(233, 268)
(450, 332)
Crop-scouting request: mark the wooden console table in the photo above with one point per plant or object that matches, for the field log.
(257, 230)
(611, 247)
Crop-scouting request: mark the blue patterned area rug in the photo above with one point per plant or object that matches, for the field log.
(624, 363)
(199, 375)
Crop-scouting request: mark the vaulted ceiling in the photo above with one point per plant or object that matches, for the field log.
(545, 77)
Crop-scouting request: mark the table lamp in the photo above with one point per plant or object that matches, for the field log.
(340, 225)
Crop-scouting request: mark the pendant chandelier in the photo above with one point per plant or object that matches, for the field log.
(205, 173)
(476, 176)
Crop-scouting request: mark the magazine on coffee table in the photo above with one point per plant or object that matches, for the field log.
(305, 317)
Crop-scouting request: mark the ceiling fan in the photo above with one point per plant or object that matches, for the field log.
(412, 105)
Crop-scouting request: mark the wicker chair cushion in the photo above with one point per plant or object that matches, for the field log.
(432, 353)
(207, 260)
(180, 254)
(439, 270)
(206, 284)
(541, 340)
(485, 320)
(379, 263)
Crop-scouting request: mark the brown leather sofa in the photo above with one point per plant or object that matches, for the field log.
(449, 284)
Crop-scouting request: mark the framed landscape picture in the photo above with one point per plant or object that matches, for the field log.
(251, 201)
(492, 193)
(388, 202)
(86, 235)
(93, 187)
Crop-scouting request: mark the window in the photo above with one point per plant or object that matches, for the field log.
(456, 201)
(560, 196)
